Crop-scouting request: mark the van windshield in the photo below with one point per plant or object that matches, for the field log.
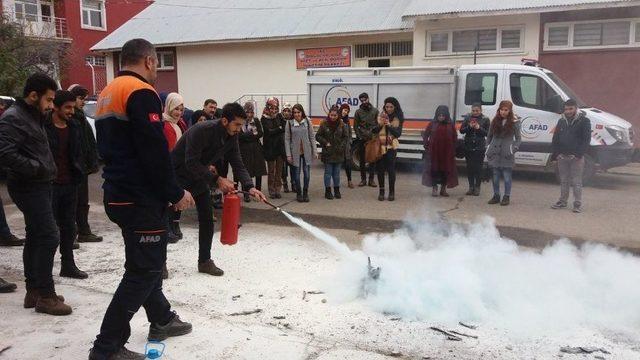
(566, 89)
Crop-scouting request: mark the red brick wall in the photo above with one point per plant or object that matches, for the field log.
(117, 13)
(608, 79)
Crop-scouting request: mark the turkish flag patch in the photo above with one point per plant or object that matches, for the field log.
(154, 117)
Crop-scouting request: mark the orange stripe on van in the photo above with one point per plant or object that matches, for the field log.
(409, 124)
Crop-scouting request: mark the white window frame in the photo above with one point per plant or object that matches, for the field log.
(633, 42)
(498, 50)
(104, 17)
(91, 59)
(160, 56)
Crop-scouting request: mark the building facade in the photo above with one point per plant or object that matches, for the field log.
(79, 24)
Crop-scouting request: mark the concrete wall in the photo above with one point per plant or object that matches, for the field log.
(608, 78)
(225, 72)
(530, 22)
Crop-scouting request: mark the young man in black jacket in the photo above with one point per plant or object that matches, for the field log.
(24, 151)
(89, 166)
(64, 135)
(571, 140)
(203, 145)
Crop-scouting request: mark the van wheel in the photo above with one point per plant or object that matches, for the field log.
(355, 160)
(589, 171)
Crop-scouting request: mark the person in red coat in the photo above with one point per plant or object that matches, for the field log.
(439, 140)
(174, 125)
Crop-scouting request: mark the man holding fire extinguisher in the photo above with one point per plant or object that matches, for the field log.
(201, 146)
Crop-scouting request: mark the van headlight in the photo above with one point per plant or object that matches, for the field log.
(618, 133)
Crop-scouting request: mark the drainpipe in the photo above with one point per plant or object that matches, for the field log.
(93, 78)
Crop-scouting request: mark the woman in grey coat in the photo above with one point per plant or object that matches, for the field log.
(504, 140)
(300, 146)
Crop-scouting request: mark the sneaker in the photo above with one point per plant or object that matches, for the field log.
(434, 191)
(209, 267)
(505, 200)
(494, 200)
(11, 240)
(443, 191)
(53, 306)
(362, 183)
(476, 191)
(577, 208)
(31, 299)
(122, 354)
(7, 287)
(71, 271)
(559, 205)
(90, 237)
(175, 327)
(470, 192)
(372, 183)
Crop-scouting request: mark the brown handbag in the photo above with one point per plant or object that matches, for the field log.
(373, 150)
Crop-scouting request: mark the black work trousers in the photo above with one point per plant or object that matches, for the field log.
(145, 240)
(43, 237)
(64, 201)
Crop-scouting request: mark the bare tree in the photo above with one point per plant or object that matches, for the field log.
(21, 55)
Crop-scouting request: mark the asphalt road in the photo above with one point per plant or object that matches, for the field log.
(610, 208)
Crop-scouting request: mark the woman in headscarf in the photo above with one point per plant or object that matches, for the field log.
(273, 141)
(251, 148)
(439, 141)
(345, 109)
(390, 124)
(504, 140)
(174, 125)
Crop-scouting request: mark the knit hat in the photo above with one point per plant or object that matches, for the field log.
(286, 106)
(273, 101)
(78, 90)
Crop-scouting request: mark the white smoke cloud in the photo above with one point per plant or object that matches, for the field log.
(440, 272)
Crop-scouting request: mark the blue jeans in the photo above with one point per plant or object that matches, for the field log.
(332, 171)
(306, 169)
(505, 173)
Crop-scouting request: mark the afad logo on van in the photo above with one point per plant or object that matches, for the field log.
(531, 128)
(338, 95)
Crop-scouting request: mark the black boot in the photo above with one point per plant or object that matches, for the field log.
(476, 190)
(171, 237)
(88, 237)
(392, 195)
(381, 195)
(175, 327)
(471, 191)
(336, 191)
(7, 287)
(286, 187)
(494, 200)
(70, 270)
(305, 195)
(299, 197)
(11, 240)
(505, 200)
(327, 194)
(176, 229)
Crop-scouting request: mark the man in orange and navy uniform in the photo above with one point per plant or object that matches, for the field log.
(139, 184)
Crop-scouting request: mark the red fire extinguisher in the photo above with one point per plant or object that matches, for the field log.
(230, 219)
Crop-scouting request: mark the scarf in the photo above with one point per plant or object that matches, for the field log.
(173, 101)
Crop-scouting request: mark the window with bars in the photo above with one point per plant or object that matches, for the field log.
(384, 49)
(592, 34)
(93, 14)
(453, 42)
(165, 60)
(96, 60)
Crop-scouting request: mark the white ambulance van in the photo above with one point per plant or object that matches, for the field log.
(537, 94)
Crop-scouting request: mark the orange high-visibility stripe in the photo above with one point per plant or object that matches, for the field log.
(112, 101)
